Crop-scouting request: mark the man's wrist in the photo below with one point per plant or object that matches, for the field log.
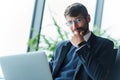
(82, 43)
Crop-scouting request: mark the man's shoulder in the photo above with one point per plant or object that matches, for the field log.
(100, 39)
(103, 39)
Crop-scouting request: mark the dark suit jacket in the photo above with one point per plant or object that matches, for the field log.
(96, 57)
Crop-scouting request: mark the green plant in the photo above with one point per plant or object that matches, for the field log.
(32, 43)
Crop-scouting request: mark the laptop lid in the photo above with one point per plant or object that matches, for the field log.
(29, 66)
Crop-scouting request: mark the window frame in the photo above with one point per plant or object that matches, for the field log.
(36, 24)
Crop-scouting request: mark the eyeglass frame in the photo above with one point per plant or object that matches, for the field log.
(77, 20)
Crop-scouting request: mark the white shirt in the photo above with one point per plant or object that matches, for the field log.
(87, 36)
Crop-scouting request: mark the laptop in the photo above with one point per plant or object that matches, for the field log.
(29, 66)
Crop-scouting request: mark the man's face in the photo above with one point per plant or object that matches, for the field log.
(79, 23)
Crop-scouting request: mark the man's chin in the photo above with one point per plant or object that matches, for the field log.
(85, 32)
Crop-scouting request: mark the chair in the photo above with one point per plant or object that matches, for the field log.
(115, 72)
(117, 65)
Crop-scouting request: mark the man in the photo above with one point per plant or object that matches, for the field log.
(86, 56)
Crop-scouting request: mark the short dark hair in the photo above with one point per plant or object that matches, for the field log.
(76, 9)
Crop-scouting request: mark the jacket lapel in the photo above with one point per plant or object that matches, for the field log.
(91, 41)
(65, 49)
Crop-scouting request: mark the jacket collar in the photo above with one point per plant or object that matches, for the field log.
(91, 41)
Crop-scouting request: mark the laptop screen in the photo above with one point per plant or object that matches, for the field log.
(29, 66)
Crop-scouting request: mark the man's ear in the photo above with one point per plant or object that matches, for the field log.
(88, 18)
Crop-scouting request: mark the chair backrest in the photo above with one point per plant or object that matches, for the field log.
(117, 65)
(115, 72)
(118, 56)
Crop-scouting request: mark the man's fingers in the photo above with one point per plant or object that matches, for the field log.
(82, 33)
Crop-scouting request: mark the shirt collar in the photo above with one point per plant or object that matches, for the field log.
(87, 36)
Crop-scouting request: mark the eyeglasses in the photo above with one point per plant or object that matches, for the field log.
(77, 20)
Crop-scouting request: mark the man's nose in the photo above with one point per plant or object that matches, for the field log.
(75, 25)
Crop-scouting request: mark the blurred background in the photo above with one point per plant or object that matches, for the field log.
(37, 25)
(25, 25)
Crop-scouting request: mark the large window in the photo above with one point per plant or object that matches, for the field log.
(111, 16)
(15, 24)
(54, 14)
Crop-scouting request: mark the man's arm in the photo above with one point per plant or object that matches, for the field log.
(97, 63)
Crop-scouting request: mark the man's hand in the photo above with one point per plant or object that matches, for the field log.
(77, 38)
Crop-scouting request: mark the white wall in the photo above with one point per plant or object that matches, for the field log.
(15, 24)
